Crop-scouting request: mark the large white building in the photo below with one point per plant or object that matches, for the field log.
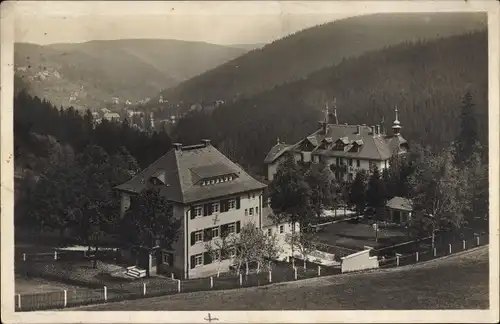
(210, 195)
(348, 147)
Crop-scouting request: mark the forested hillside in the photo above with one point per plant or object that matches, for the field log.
(426, 80)
(94, 72)
(45, 135)
(297, 55)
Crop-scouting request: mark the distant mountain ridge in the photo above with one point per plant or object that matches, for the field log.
(91, 73)
(304, 52)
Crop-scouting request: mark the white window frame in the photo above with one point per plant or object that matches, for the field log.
(215, 229)
(215, 208)
(246, 212)
(200, 234)
(233, 226)
(231, 204)
(198, 211)
(164, 256)
(198, 257)
(269, 231)
(282, 229)
(250, 212)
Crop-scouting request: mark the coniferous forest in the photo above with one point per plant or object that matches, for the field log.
(426, 80)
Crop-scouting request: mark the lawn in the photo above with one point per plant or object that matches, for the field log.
(25, 285)
(455, 282)
(355, 235)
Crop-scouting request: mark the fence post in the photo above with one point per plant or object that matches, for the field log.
(463, 244)
(319, 271)
(397, 260)
(19, 301)
(105, 293)
(270, 277)
(477, 240)
(178, 285)
(172, 276)
(144, 289)
(241, 280)
(65, 298)
(295, 269)
(55, 255)
(24, 256)
(449, 245)
(435, 252)
(211, 282)
(416, 255)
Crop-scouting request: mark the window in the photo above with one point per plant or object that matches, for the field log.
(198, 211)
(269, 231)
(198, 260)
(231, 228)
(231, 204)
(248, 195)
(337, 161)
(253, 195)
(198, 236)
(358, 163)
(371, 164)
(282, 229)
(246, 212)
(251, 211)
(215, 208)
(215, 232)
(350, 162)
(256, 210)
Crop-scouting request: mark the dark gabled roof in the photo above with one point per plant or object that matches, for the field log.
(181, 182)
(372, 147)
(276, 151)
(400, 203)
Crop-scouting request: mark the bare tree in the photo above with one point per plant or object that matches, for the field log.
(218, 247)
(304, 242)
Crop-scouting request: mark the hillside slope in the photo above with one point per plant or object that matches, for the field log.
(462, 280)
(304, 52)
(130, 69)
(426, 80)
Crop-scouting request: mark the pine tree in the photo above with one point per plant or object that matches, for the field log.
(468, 135)
(357, 193)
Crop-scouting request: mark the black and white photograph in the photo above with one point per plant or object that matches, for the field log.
(206, 157)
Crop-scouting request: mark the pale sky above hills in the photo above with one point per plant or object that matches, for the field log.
(212, 22)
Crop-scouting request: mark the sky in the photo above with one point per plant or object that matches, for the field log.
(47, 22)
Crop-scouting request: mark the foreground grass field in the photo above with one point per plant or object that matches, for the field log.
(455, 282)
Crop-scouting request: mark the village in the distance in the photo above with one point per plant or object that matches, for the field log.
(343, 166)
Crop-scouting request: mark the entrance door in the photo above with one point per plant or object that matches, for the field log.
(396, 216)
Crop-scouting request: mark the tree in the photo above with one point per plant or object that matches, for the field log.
(249, 246)
(290, 195)
(477, 179)
(304, 242)
(439, 192)
(320, 180)
(149, 221)
(468, 135)
(357, 194)
(375, 196)
(219, 248)
(271, 249)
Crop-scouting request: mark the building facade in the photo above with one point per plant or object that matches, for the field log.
(345, 148)
(282, 230)
(210, 195)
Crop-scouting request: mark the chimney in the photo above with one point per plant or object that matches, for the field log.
(206, 142)
(177, 146)
(358, 129)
